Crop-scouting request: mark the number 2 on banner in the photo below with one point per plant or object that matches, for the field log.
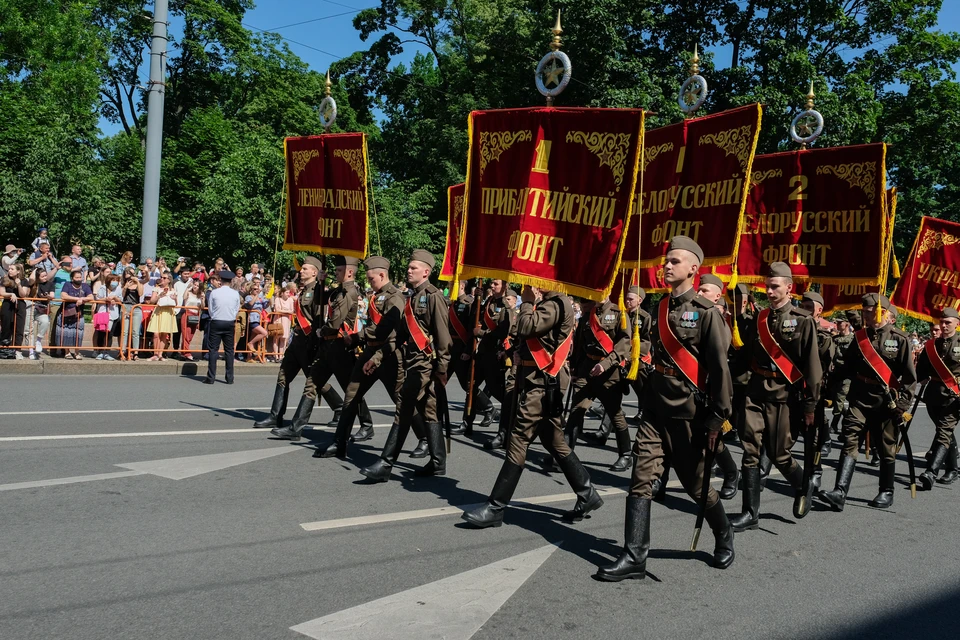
(801, 182)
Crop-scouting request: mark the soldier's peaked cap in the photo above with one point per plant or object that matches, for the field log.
(512, 293)
(638, 291)
(424, 256)
(950, 312)
(314, 262)
(709, 278)
(780, 270)
(345, 261)
(376, 262)
(813, 296)
(687, 244)
(872, 299)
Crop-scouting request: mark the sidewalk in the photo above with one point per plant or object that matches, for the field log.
(91, 366)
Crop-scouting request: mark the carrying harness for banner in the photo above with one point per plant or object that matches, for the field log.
(601, 336)
(458, 328)
(550, 363)
(302, 321)
(375, 315)
(946, 376)
(686, 362)
(420, 338)
(879, 366)
(789, 370)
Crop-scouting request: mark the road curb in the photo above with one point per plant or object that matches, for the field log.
(89, 366)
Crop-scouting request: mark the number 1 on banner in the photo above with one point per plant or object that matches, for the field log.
(543, 157)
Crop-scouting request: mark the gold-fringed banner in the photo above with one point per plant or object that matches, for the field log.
(930, 281)
(455, 206)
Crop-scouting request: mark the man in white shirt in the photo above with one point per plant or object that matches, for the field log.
(180, 288)
(224, 305)
(254, 271)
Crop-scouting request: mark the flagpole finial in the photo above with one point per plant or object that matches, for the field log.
(328, 85)
(328, 106)
(695, 61)
(694, 90)
(810, 97)
(808, 124)
(555, 70)
(557, 30)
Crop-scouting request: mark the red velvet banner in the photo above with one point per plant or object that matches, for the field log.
(548, 193)
(455, 201)
(822, 211)
(930, 281)
(327, 194)
(694, 183)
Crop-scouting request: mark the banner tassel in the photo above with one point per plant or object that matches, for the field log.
(296, 263)
(736, 340)
(634, 353)
(896, 266)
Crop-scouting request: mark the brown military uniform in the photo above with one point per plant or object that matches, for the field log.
(463, 308)
(334, 357)
(302, 350)
(943, 405)
(587, 353)
(496, 319)
(739, 362)
(676, 416)
(638, 385)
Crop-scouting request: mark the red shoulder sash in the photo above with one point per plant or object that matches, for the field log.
(458, 328)
(685, 361)
(413, 327)
(372, 311)
(601, 336)
(878, 364)
(772, 347)
(946, 376)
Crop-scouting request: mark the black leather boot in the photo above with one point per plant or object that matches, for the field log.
(380, 470)
(817, 479)
(929, 476)
(491, 513)
(625, 461)
(884, 499)
(438, 452)
(599, 438)
(838, 497)
(501, 438)
(874, 458)
(277, 409)
(365, 432)
(660, 484)
(300, 419)
(338, 447)
(334, 401)
(495, 443)
(765, 465)
(421, 450)
(366, 423)
(950, 469)
(632, 563)
(824, 436)
(577, 477)
(731, 474)
(420, 430)
(722, 534)
(750, 517)
(803, 492)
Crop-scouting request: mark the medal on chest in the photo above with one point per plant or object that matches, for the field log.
(890, 346)
(789, 325)
(422, 303)
(688, 319)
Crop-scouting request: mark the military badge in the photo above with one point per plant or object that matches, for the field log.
(956, 352)
(381, 298)
(890, 346)
(688, 320)
(789, 325)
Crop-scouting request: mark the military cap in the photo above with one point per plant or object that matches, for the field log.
(742, 290)
(635, 290)
(687, 244)
(227, 276)
(813, 296)
(709, 278)
(377, 262)
(872, 299)
(779, 270)
(852, 316)
(894, 313)
(314, 262)
(950, 312)
(425, 256)
(511, 293)
(345, 261)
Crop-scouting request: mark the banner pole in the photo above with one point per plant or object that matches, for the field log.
(276, 243)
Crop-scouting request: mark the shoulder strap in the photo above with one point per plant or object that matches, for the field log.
(773, 349)
(946, 376)
(301, 319)
(458, 328)
(551, 363)
(687, 363)
(601, 336)
(876, 363)
(420, 338)
(372, 310)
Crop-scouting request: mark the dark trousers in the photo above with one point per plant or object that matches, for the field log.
(179, 334)
(13, 318)
(221, 331)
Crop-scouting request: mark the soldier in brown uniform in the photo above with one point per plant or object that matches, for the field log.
(880, 367)
(601, 346)
(782, 394)
(686, 406)
(812, 303)
(939, 362)
(379, 360)
(544, 338)
(333, 358)
(425, 361)
(462, 320)
(302, 351)
(494, 334)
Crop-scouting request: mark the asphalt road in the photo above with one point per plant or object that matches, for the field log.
(146, 507)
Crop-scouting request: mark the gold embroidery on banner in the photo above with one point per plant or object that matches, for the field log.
(611, 148)
(759, 176)
(649, 155)
(458, 206)
(353, 157)
(737, 142)
(494, 143)
(857, 174)
(300, 160)
(935, 240)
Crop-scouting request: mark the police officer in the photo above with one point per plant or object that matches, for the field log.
(880, 367)
(462, 320)
(688, 401)
(812, 303)
(333, 357)
(544, 334)
(601, 346)
(426, 358)
(783, 392)
(939, 362)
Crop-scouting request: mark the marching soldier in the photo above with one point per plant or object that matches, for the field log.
(425, 361)
(462, 319)
(301, 352)
(600, 348)
(544, 333)
(739, 358)
(783, 392)
(686, 406)
(332, 357)
(841, 342)
(812, 303)
(880, 367)
(939, 362)
(380, 359)
(494, 333)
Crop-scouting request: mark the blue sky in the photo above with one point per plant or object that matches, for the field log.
(328, 25)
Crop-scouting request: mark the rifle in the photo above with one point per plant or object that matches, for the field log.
(905, 421)
(707, 475)
(473, 356)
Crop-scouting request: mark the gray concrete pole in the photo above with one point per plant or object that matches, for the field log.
(151, 173)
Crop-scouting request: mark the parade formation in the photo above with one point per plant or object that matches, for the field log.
(585, 205)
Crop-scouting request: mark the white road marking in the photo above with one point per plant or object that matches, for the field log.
(147, 434)
(453, 608)
(56, 481)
